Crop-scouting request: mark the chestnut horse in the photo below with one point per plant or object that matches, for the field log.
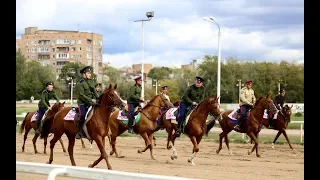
(196, 125)
(27, 125)
(144, 126)
(280, 124)
(97, 125)
(251, 127)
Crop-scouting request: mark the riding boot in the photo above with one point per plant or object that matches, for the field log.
(79, 133)
(270, 122)
(179, 130)
(237, 126)
(130, 124)
(38, 126)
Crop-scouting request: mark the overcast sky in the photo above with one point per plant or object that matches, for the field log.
(264, 30)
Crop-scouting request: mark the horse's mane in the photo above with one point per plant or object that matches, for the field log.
(205, 101)
(258, 100)
(153, 98)
(101, 95)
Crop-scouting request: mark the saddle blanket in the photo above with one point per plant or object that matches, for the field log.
(233, 116)
(265, 115)
(124, 118)
(35, 116)
(71, 114)
(170, 113)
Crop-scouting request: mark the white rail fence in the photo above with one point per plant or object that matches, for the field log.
(53, 170)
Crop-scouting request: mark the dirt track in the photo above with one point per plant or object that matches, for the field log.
(280, 163)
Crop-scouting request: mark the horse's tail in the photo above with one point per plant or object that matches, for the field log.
(210, 124)
(23, 123)
(46, 127)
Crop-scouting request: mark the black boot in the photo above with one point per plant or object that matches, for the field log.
(38, 126)
(270, 122)
(130, 124)
(179, 130)
(79, 133)
(237, 126)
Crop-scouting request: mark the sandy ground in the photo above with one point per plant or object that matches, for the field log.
(281, 163)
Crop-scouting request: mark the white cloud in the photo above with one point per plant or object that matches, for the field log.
(177, 34)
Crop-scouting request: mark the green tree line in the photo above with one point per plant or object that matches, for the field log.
(31, 76)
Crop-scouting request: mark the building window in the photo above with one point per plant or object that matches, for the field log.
(79, 49)
(89, 48)
(62, 41)
(79, 41)
(73, 42)
(27, 43)
(34, 50)
(52, 42)
(63, 55)
(73, 48)
(53, 49)
(53, 56)
(43, 49)
(89, 55)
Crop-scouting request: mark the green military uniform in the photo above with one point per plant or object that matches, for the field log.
(86, 92)
(193, 94)
(134, 94)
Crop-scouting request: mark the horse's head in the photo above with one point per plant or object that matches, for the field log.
(111, 98)
(163, 101)
(212, 104)
(57, 107)
(286, 111)
(265, 102)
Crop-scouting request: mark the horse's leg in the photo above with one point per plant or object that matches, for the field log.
(25, 138)
(286, 136)
(71, 138)
(276, 138)
(169, 130)
(113, 145)
(148, 143)
(174, 151)
(34, 141)
(151, 146)
(253, 137)
(220, 142)
(195, 150)
(226, 140)
(257, 151)
(56, 137)
(154, 141)
(101, 145)
(82, 143)
(63, 148)
(45, 139)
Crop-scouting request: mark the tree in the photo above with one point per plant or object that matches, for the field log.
(160, 73)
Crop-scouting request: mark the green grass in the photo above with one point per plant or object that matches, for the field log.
(20, 110)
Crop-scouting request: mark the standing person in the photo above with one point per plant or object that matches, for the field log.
(44, 104)
(247, 100)
(192, 96)
(87, 96)
(134, 100)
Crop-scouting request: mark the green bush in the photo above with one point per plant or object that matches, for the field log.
(298, 114)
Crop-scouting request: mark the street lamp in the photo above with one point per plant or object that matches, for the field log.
(149, 16)
(240, 85)
(156, 85)
(211, 19)
(70, 77)
(279, 81)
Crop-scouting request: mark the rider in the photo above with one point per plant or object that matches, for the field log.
(278, 102)
(87, 96)
(44, 104)
(134, 100)
(247, 100)
(192, 96)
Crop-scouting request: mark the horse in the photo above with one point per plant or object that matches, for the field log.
(27, 125)
(251, 126)
(280, 124)
(146, 123)
(195, 126)
(96, 125)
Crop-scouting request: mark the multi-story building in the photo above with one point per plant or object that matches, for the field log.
(18, 44)
(191, 66)
(58, 47)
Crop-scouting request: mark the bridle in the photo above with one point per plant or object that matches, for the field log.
(108, 106)
(164, 101)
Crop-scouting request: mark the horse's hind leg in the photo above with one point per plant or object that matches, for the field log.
(82, 143)
(71, 138)
(151, 146)
(286, 136)
(253, 137)
(113, 145)
(34, 141)
(276, 138)
(170, 130)
(63, 148)
(226, 140)
(53, 141)
(101, 145)
(220, 142)
(154, 141)
(174, 151)
(25, 138)
(148, 143)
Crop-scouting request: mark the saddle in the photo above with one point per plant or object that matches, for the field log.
(126, 110)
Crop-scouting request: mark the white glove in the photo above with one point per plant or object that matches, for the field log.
(194, 103)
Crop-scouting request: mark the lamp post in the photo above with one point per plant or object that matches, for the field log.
(279, 81)
(149, 16)
(240, 85)
(211, 19)
(70, 76)
(156, 85)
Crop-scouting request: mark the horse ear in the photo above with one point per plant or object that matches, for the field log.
(291, 106)
(115, 87)
(63, 102)
(110, 86)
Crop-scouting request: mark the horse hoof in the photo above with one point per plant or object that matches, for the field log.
(111, 153)
(139, 152)
(169, 147)
(191, 161)
(120, 156)
(249, 152)
(258, 155)
(172, 158)
(90, 166)
(217, 151)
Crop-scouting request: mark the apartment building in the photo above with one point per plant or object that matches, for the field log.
(58, 47)
(191, 66)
